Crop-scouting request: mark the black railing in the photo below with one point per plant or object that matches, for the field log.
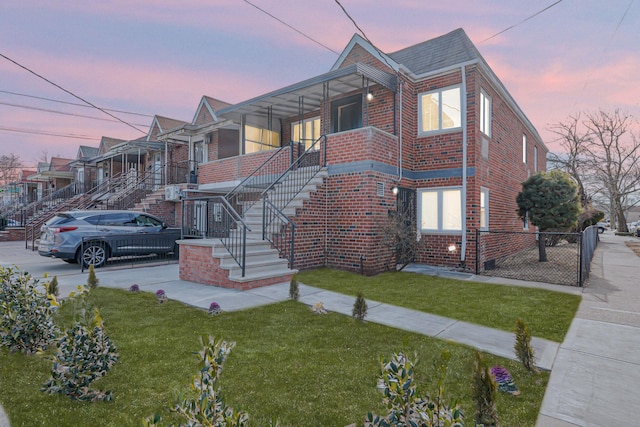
(277, 227)
(214, 217)
(182, 172)
(279, 230)
(249, 191)
(135, 188)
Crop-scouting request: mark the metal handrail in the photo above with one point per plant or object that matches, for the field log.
(231, 230)
(279, 230)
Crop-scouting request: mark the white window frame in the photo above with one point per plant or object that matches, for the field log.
(484, 208)
(440, 128)
(525, 222)
(535, 159)
(307, 139)
(439, 191)
(524, 148)
(486, 106)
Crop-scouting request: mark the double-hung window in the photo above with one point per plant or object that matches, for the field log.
(440, 209)
(485, 113)
(524, 148)
(439, 110)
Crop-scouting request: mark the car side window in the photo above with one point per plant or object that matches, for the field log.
(117, 220)
(147, 221)
(95, 219)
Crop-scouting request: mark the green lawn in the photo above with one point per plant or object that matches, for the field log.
(290, 364)
(547, 314)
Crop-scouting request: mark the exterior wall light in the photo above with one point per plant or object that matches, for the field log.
(394, 190)
(369, 96)
(452, 248)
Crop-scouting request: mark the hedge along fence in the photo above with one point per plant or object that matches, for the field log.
(514, 255)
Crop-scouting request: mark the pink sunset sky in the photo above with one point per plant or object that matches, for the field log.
(160, 57)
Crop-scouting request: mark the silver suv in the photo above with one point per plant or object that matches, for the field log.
(92, 237)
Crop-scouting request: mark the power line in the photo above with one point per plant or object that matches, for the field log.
(72, 103)
(70, 93)
(382, 54)
(521, 22)
(47, 133)
(291, 27)
(46, 110)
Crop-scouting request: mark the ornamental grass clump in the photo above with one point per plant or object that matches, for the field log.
(26, 314)
(294, 291)
(359, 307)
(522, 347)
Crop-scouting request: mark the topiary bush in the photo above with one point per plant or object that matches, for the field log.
(294, 291)
(26, 314)
(207, 409)
(359, 307)
(522, 347)
(406, 408)
(92, 280)
(484, 393)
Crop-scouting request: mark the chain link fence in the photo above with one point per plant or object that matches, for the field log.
(564, 258)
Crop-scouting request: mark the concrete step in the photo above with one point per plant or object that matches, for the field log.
(251, 275)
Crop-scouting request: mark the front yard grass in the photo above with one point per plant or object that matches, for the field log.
(547, 314)
(288, 364)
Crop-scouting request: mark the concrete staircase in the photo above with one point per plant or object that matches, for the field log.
(146, 204)
(263, 263)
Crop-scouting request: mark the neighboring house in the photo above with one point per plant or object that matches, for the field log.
(55, 174)
(429, 130)
(85, 174)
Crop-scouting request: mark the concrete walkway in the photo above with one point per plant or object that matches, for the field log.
(595, 380)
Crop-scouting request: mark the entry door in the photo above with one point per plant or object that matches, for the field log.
(157, 170)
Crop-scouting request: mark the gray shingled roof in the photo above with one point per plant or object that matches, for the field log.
(448, 50)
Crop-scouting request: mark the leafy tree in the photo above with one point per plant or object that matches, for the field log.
(550, 201)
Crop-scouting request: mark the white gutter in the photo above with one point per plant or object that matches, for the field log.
(463, 248)
(400, 135)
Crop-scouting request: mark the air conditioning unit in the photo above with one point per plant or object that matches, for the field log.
(172, 193)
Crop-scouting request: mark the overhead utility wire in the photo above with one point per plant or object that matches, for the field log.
(71, 93)
(47, 110)
(72, 103)
(382, 54)
(291, 27)
(37, 132)
(521, 22)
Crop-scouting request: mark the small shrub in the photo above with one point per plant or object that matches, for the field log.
(294, 291)
(26, 315)
(406, 408)
(359, 307)
(214, 309)
(161, 296)
(484, 393)
(134, 288)
(207, 408)
(318, 308)
(92, 280)
(523, 348)
(52, 287)
(85, 354)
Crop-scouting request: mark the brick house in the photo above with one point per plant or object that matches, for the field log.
(429, 130)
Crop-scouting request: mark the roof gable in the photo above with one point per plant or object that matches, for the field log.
(106, 144)
(85, 151)
(60, 164)
(206, 112)
(441, 52)
(357, 40)
(162, 124)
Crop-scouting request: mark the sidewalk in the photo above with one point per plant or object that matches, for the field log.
(595, 379)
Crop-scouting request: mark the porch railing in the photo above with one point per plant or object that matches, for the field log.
(214, 217)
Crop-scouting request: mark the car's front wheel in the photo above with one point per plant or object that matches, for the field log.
(93, 253)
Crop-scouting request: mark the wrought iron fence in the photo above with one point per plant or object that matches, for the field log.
(550, 257)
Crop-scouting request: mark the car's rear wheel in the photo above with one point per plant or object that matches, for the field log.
(93, 253)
